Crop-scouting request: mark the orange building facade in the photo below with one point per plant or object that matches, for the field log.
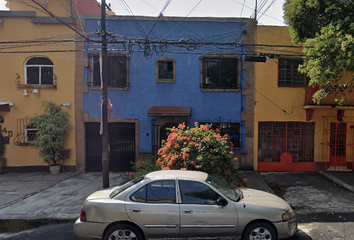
(292, 132)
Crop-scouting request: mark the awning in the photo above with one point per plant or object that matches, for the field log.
(170, 111)
(5, 106)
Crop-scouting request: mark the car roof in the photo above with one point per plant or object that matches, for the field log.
(187, 174)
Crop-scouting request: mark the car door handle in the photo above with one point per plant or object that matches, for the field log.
(188, 211)
(135, 209)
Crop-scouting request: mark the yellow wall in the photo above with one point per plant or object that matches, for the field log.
(13, 29)
(282, 104)
(61, 8)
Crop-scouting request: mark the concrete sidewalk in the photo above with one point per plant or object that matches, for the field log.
(40, 195)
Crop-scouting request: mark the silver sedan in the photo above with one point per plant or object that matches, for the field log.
(184, 204)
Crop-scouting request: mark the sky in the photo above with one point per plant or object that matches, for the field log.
(270, 12)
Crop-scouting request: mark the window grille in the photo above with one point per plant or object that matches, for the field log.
(220, 72)
(117, 74)
(26, 132)
(289, 74)
(231, 129)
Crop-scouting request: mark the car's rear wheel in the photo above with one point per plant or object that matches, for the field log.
(260, 230)
(123, 231)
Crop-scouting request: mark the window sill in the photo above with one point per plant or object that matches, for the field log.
(292, 86)
(219, 90)
(165, 81)
(35, 86)
(110, 88)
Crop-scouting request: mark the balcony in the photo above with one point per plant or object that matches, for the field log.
(329, 100)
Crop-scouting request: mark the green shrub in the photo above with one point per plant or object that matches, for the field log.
(52, 129)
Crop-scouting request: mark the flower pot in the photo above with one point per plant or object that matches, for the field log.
(54, 169)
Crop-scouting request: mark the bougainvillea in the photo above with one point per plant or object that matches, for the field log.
(200, 148)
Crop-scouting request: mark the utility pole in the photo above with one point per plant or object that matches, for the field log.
(255, 11)
(104, 100)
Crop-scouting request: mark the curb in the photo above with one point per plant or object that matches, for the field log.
(336, 180)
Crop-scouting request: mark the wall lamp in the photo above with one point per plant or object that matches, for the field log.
(68, 105)
(35, 92)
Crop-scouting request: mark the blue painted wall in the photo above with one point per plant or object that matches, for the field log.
(145, 92)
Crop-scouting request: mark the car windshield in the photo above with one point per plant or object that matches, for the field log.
(224, 187)
(125, 186)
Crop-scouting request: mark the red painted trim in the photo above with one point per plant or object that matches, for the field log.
(286, 164)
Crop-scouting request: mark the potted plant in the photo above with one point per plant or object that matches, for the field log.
(52, 128)
(2, 152)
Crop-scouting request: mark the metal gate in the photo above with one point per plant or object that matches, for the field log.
(338, 143)
(121, 147)
(286, 146)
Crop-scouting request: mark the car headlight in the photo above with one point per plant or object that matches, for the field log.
(288, 215)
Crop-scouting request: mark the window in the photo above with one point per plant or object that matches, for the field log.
(156, 192)
(165, 70)
(289, 74)
(197, 193)
(117, 75)
(220, 72)
(231, 129)
(126, 186)
(276, 138)
(30, 133)
(39, 71)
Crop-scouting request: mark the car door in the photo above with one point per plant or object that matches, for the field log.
(154, 208)
(200, 214)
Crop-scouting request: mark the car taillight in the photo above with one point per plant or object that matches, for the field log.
(83, 215)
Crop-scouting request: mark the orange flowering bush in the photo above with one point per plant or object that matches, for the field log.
(200, 148)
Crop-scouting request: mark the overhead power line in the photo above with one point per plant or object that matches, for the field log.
(40, 41)
(158, 19)
(62, 22)
(44, 51)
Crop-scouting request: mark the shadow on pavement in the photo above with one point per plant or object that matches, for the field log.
(326, 218)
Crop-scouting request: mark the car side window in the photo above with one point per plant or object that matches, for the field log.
(197, 193)
(139, 196)
(156, 192)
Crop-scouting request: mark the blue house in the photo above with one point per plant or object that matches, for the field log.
(162, 72)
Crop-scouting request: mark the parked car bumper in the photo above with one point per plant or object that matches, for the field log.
(286, 229)
(89, 229)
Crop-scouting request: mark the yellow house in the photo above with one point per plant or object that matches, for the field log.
(37, 59)
(292, 133)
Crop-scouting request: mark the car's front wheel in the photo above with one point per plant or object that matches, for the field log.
(260, 230)
(123, 231)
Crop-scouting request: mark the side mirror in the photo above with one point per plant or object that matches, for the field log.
(221, 202)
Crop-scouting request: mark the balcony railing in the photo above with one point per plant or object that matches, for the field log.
(330, 99)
